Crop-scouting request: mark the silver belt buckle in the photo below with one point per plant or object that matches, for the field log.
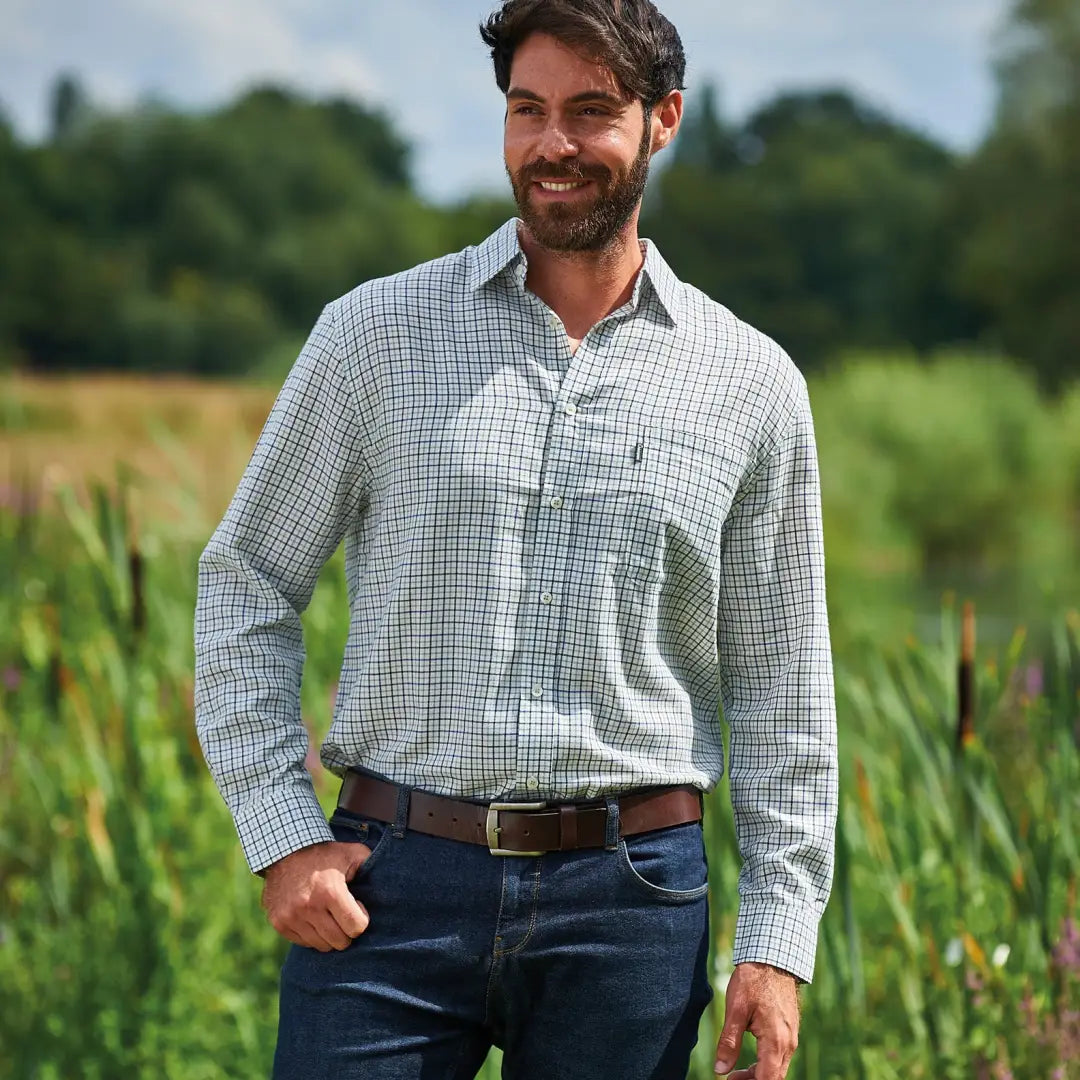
(493, 828)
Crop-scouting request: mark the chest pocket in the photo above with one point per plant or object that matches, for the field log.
(685, 485)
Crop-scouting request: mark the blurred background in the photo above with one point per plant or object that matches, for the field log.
(890, 191)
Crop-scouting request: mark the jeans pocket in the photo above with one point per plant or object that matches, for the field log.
(668, 865)
(351, 828)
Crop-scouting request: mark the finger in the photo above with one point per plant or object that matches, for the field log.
(745, 1074)
(306, 937)
(307, 933)
(772, 1062)
(292, 929)
(730, 1043)
(358, 855)
(329, 930)
(349, 915)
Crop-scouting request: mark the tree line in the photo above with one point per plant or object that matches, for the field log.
(156, 240)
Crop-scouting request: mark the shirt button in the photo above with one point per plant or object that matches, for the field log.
(532, 783)
(538, 691)
(556, 502)
(546, 598)
(571, 408)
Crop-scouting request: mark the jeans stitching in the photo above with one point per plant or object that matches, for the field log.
(667, 896)
(532, 919)
(495, 954)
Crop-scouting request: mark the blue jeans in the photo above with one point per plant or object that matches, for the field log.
(580, 965)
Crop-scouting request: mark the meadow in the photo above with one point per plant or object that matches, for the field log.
(132, 943)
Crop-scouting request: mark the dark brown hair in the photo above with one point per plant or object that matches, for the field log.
(642, 49)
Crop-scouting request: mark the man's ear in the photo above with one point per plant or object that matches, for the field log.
(666, 118)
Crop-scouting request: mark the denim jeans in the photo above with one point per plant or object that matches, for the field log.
(580, 965)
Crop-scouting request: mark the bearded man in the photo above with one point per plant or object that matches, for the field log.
(581, 513)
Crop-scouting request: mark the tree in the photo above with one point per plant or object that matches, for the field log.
(158, 240)
(69, 108)
(1021, 194)
(817, 220)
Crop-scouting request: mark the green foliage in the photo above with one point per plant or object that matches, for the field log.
(817, 219)
(68, 107)
(1020, 207)
(131, 940)
(940, 465)
(198, 326)
(1070, 442)
(167, 242)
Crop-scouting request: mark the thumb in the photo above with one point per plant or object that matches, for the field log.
(730, 1042)
(358, 854)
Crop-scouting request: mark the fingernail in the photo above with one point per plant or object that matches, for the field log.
(722, 1067)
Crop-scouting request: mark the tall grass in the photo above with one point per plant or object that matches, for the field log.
(131, 939)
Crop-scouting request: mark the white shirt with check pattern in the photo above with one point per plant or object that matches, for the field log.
(558, 565)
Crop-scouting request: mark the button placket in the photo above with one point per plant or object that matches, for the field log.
(539, 701)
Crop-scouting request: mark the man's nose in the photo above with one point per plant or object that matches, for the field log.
(555, 144)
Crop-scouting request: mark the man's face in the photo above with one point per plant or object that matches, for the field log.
(576, 149)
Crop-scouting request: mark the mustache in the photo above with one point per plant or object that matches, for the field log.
(567, 170)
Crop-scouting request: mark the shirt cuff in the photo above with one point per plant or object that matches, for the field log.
(283, 821)
(770, 931)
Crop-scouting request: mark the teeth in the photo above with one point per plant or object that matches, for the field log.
(561, 187)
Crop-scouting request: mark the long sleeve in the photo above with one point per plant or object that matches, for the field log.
(777, 692)
(303, 486)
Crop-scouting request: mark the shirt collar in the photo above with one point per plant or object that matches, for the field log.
(502, 250)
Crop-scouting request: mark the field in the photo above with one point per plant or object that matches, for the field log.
(131, 939)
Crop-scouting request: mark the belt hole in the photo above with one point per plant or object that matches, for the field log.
(430, 813)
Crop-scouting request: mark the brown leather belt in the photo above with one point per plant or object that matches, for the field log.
(522, 828)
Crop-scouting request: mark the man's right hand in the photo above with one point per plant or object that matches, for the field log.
(307, 899)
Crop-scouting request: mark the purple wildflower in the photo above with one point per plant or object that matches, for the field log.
(1033, 680)
(1066, 953)
(1029, 1012)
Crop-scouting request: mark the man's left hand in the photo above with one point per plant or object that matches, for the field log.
(764, 1001)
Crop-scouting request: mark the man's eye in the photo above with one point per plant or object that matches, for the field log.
(525, 110)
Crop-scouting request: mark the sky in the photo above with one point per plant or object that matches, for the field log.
(925, 62)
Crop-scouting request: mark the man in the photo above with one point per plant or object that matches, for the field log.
(580, 507)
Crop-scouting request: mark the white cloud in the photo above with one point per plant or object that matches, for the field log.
(229, 42)
(17, 31)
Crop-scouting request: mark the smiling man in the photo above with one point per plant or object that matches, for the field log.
(581, 512)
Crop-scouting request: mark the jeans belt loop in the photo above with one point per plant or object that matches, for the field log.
(401, 818)
(611, 831)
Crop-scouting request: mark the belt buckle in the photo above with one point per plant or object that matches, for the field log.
(493, 828)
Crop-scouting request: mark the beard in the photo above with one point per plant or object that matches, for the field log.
(586, 224)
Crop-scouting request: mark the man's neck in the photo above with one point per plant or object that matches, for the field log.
(584, 287)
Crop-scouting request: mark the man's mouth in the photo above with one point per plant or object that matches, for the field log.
(553, 185)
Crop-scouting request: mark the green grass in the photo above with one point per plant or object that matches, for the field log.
(131, 939)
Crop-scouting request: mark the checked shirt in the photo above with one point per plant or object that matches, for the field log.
(559, 568)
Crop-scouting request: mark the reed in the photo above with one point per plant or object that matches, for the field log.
(131, 938)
